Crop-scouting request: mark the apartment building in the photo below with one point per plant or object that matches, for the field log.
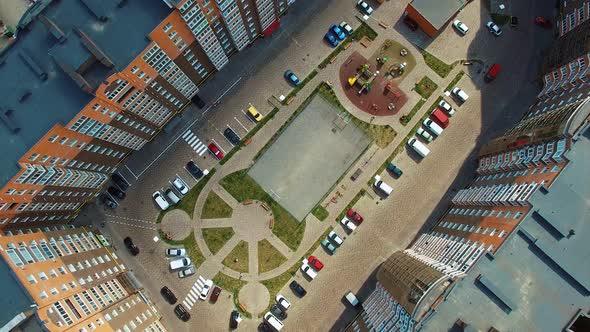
(76, 281)
(95, 81)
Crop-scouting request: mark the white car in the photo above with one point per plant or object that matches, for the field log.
(494, 28)
(335, 238)
(348, 224)
(446, 107)
(206, 289)
(347, 28)
(180, 185)
(306, 268)
(180, 263)
(176, 252)
(365, 8)
(460, 26)
(161, 201)
(424, 134)
(460, 94)
(282, 301)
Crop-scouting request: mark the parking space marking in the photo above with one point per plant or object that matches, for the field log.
(219, 145)
(131, 219)
(238, 121)
(247, 117)
(124, 178)
(130, 171)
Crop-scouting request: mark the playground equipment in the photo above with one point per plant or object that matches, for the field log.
(363, 77)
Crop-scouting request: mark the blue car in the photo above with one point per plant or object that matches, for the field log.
(292, 78)
(337, 31)
(331, 39)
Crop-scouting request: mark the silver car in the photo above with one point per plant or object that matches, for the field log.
(175, 252)
(494, 28)
(424, 134)
(187, 272)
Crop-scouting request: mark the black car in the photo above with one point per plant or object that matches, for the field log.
(106, 200)
(168, 295)
(120, 194)
(181, 313)
(278, 312)
(195, 171)
(264, 327)
(234, 319)
(231, 136)
(297, 288)
(120, 181)
(131, 246)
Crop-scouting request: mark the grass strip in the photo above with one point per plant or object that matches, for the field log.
(215, 207)
(438, 66)
(216, 238)
(269, 258)
(298, 88)
(356, 198)
(320, 212)
(237, 259)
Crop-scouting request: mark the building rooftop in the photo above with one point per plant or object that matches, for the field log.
(37, 90)
(538, 280)
(437, 12)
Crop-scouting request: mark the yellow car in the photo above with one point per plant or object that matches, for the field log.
(254, 113)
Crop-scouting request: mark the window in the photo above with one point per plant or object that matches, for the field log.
(54, 291)
(43, 276)
(31, 279)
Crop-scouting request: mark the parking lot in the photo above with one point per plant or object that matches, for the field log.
(307, 159)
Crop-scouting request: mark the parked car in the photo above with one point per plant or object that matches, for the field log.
(254, 114)
(133, 249)
(420, 148)
(194, 170)
(278, 312)
(492, 73)
(206, 289)
(168, 295)
(187, 272)
(283, 302)
(335, 238)
(234, 319)
(446, 107)
(346, 28)
(276, 324)
(460, 94)
(424, 134)
(543, 22)
(297, 288)
(494, 28)
(120, 194)
(106, 200)
(215, 294)
(352, 214)
(180, 186)
(348, 224)
(171, 196)
(180, 263)
(460, 26)
(396, 171)
(351, 298)
(175, 252)
(307, 270)
(440, 117)
(182, 313)
(331, 39)
(337, 32)
(364, 7)
(231, 136)
(432, 127)
(383, 187)
(329, 246)
(410, 23)
(215, 151)
(160, 200)
(120, 181)
(264, 327)
(292, 78)
(315, 263)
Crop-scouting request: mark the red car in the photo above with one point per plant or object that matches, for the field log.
(543, 22)
(352, 214)
(315, 263)
(215, 294)
(216, 151)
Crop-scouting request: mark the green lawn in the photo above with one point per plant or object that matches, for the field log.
(406, 118)
(455, 81)
(232, 286)
(269, 258)
(274, 285)
(426, 87)
(242, 187)
(216, 238)
(237, 259)
(364, 30)
(190, 244)
(320, 212)
(301, 85)
(439, 67)
(215, 207)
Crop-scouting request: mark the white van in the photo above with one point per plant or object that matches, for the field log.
(382, 186)
(420, 148)
(161, 201)
(273, 321)
(351, 298)
(433, 127)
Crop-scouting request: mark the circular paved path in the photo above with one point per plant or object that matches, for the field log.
(176, 224)
(250, 222)
(254, 296)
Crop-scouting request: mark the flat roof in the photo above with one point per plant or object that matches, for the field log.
(37, 102)
(538, 279)
(437, 12)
